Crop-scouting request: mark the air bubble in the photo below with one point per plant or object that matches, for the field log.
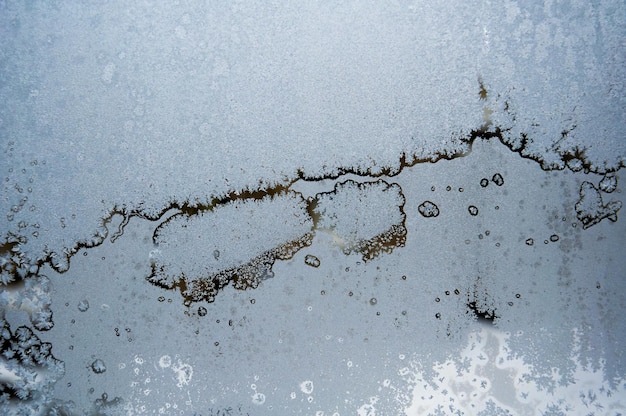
(258, 398)
(98, 366)
(83, 305)
(472, 210)
(438, 315)
(575, 164)
(373, 301)
(306, 387)
(202, 311)
(165, 361)
(608, 184)
(311, 260)
(448, 188)
(498, 179)
(216, 254)
(428, 209)
(437, 300)
(530, 241)
(484, 182)
(554, 238)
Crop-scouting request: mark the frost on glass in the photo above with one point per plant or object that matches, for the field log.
(351, 191)
(373, 224)
(202, 253)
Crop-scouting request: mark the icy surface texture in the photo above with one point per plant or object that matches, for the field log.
(238, 241)
(487, 379)
(210, 114)
(363, 217)
(28, 370)
(21, 288)
(554, 75)
(591, 210)
(135, 107)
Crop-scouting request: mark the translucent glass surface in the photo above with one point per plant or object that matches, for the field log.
(399, 208)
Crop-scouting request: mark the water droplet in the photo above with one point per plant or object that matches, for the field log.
(253, 301)
(448, 188)
(83, 305)
(456, 291)
(311, 260)
(530, 241)
(306, 387)
(484, 182)
(554, 238)
(517, 295)
(258, 398)
(373, 301)
(438, 315)
(202, 311)
(608, 183)
(498, 179)
(216, 254)
(437, 300)
(428, 209)
(165, 361)
(98, 366)
(472, 210)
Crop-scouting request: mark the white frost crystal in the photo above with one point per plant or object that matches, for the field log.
(365, 217)
(249, 235)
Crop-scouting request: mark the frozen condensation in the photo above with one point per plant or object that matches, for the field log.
(28, 370)
(608, 183)
(133, 130)
(98, 366)
(364, 217)
(83, 305)
(590, 208)
(428, 209)
(249, 234)
(210, 113)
